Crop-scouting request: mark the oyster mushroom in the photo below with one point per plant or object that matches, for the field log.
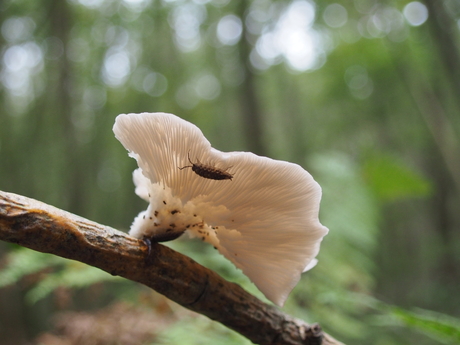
(264, 219)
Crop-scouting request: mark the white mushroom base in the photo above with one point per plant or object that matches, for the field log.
(167, 218)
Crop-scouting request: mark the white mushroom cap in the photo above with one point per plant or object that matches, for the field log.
(264, 220)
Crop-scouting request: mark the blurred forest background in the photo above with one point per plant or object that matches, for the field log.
(364, 94)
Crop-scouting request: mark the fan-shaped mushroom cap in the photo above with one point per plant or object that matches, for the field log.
(264, 220)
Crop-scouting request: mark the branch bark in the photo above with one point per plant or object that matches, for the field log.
(44, 228)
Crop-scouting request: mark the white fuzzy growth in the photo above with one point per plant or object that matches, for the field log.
(265, 220)
(167, 213)
(164, 213)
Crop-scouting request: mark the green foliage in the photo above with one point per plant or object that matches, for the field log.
(345, 267)
(22, 262)
(441, 327)
(52, 272)
(391, 179)
(73, 275)
(199, 330)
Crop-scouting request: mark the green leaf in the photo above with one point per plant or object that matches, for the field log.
(198, 330)
(441, 327)
(392, 179)
(57, 272)
(23, 262)
(75, 275)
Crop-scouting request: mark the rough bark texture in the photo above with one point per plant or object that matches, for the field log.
(44, 228)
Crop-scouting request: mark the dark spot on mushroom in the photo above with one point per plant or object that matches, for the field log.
(194, 215)
(202, 238)
(149, 195)
(188, 226)
(143, 217)
(150, 217)
(155, 213)
(172, 225)
(215, 248)
(217, 227)
(164, 202)
(169, 230)
(175, 211)
(155, 224)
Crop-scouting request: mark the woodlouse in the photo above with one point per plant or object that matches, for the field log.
(208, 171)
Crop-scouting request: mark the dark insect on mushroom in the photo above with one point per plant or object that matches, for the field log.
(168, 235)
(165, 236)
(208, 171)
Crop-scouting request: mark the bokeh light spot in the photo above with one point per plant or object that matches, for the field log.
(95, 97)
(292, 39)
(335, 16)
(186, 20)
(93, 4)
(229, 29)
(415, 13)
(16, 29)
(207, 87)
(186, 96)
(359, 82)
(116, 68)
(155, 84)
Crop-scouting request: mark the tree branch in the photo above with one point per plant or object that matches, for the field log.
(44, 228)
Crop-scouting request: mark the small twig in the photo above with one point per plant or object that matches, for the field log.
(44, 228)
